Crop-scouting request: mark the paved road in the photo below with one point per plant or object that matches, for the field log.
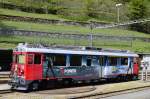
(144, 94)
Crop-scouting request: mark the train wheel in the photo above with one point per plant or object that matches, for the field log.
(129, 77)
(134, 77)
(119, 78)
(12, 89)
(67, 82)
(35, 86)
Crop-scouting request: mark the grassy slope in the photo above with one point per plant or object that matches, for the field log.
(138, 46)
(69, 29)
(26, 14)
(11, 41)
(43, 16)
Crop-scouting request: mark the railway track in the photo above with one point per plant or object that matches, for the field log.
(5, 91)
(4, 77)
(72, 92)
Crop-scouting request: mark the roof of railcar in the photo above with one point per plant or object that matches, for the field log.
(73, 50)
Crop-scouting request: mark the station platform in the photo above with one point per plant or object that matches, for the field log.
(78, 92)
(107, 88)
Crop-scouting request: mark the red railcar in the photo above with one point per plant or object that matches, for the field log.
(33, 65)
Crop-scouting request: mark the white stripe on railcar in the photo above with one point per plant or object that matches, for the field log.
(81, 52)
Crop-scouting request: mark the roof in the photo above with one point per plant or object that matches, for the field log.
(73, 50)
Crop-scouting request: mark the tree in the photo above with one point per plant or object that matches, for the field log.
(73, 9)
(100, 9)
(138, 10)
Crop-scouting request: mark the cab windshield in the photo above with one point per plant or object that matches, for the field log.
(19, 59)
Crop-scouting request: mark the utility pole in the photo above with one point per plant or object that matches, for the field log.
(118, 11)
(91, 34)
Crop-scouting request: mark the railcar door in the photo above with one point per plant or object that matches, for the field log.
(102, 64)
(34, 66)
(48, 68)
(90, 70)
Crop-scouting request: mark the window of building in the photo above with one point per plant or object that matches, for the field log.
(124, 61)
(101, 61)
(21, 59)
(112, 61)
(30, 59)
(59, 60)
(75, 60)
(37, 59)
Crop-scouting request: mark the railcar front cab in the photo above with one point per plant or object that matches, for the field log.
(26, 69)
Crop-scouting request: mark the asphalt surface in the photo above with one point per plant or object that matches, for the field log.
(143, 94)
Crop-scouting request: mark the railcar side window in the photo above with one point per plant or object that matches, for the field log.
(124, 61)
(75, 60)
(30, 59)
(59, 60)
(94, 61)
(21, 59)
(37, 59)
(112, 61)
(89, 61)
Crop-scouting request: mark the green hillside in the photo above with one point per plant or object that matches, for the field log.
(102, 10)
(69, 29)
(12, 41)
(27, 14)
(76, 10)
(42, 16)
(137, 46)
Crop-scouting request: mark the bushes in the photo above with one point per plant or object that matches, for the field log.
(36, 6)
(72, 9)
(103, 10)
(138, 10)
